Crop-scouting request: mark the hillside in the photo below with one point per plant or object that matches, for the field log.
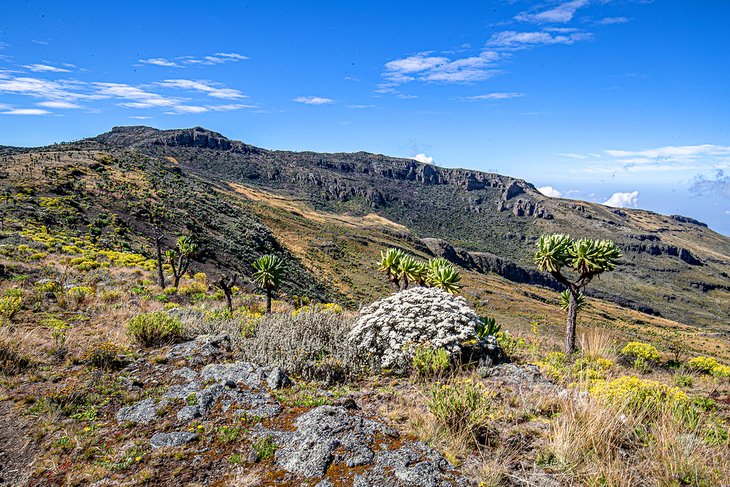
(673, 266)
(107, 378)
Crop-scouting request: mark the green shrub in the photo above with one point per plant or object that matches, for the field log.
(462, 406)
(264, 448)
(9, 306)
(683, 380)
(154, 329)
(105, 355)
(109, 296)
(79, 294)
(430, 362)
(487, 327)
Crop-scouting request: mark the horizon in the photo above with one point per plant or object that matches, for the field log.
(613, 102)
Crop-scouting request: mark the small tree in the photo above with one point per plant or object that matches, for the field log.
(180, 257)
(443, 275)
(585, 258)
(409, 270)
(389, 264)
(226, 284)
(268, 275)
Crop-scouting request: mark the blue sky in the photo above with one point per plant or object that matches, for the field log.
(620, 101)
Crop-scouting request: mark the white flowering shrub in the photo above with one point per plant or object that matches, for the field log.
(390, 330)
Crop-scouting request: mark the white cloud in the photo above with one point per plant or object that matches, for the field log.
(58, 104)
(673, 152)
(573, 155)
(425, 67)
(623, 200)
(415, 64)
(45, 68)
(612, 20)
(158, 61)
(514, 40)
(313, 100)
(181, 61)
(560, 14)
(423, 158)
(495, 96)
(140, 117)
(203, 86)
(550, 191)
(26, 111)
(140, 98)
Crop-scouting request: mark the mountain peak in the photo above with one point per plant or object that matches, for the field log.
(140, 135)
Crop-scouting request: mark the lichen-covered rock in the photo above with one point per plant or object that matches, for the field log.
(390, 329)
(328, 437)
(143, 412)
(160, 440)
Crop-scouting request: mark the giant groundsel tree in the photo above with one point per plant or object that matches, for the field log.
(583, 258)
(269, 271)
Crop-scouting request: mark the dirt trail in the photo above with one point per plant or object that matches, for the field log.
(16, 447)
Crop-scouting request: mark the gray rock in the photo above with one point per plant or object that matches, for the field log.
(277, 379)
(143, 412)
(189, 413)
(311, 449)
(186, 373)
(177, 438)
(237, 372)
(203, 349)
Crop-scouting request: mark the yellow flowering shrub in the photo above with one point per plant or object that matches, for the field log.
(640, 350)
(709, 365)
(641, 396)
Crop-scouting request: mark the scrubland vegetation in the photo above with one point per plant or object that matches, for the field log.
(97, 317)
(75, 316)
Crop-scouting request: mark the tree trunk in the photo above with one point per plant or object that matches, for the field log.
(570, 324)
(268, 300)
(160, 273)
(176, 280)
(229, 299)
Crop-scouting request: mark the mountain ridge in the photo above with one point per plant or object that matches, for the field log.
(673, 265)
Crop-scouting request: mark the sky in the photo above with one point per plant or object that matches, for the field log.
(622, 102)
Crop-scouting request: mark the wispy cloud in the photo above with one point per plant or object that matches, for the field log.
(495, 96)
(58, 104)
(717, 184)
(623, 200)
(26, 111)
(564, 12)
(182, 61)
(683, 152)
(514, 40)
(425, 67)
(613, 20)
(573, 155)
(65, 94)
(207, 87)
(313, 100)
(45, 68)
(685, 158)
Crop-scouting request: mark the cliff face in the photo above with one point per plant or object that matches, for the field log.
(673, 265)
